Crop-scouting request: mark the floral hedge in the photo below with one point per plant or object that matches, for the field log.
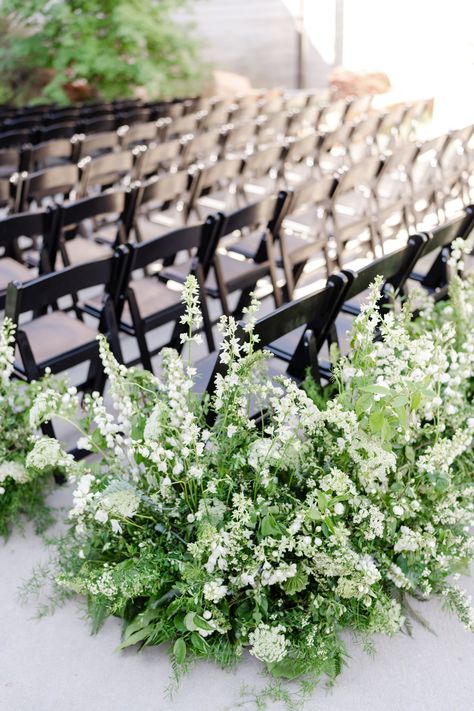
(214, 530)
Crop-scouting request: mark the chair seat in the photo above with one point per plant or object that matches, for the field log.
(11, 270)
(295, 246)
(55, 334)
(218, 201)
(305, 222)
(80, 250)
(237, 274)
(153, 298)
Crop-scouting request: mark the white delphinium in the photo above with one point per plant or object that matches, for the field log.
(119, 386)
(268, 644)
(49, 403)
(192, 318)
(7, 350)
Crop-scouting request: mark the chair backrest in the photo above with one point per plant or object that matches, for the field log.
(360, 175)
(271, 127)
(267, 213)
(202, 238)
(184, 124)
(53, 181)
(215, 117)
(14, 138)
(49, 133)
(315, 309)
(27, 224)
(399, 161)
(312, 194)
(163, 189)
(443, 235)
(60, 116)
(299, 149)
(395, 268)
(261, 161)
(22, 122)
(365, 131)
(45, 290)
(10, 160)
(154, 158)
(337, 138)
(100, 124)
(142, 133)
(211, 176)
(106, 169)
(95, 144)
(202, 147)
(303, 119)
(240, 136)
(358, 107)
(439, 240)
(40, 154)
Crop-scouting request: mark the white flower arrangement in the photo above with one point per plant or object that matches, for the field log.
(276, 534)
(26, 465)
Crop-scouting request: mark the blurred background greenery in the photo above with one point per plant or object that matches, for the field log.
(83, 50)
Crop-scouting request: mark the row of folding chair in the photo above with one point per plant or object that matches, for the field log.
(322, 217)
(295, 333)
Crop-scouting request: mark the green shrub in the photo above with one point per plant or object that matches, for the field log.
(108, 48)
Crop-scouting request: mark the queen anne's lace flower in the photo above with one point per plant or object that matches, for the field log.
(268, 643)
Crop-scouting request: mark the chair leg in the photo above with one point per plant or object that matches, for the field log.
(96, 377)
(244, 300)
(143, 348)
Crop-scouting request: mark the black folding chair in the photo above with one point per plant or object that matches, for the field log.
(94, 145)
(12, 265)
(44, 155)
(435, 279)
(57, 339)
(57, 183)
(162, 201)
(230, 275)
(294, 333)
(105, 171)
(154, 159)
(91, 228)
(148, 303)
(139, 134)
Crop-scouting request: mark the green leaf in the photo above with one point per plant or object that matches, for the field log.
(314, 514)
(189, 621)
(376, 389)
(201, 624)
(376, 420)
(179, 650)
(287, 668)
(297, 583)
(133, 638)
(323, 501)
(268, 527)
(198, 643)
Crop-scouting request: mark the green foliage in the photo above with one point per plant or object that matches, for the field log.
(108, 47)
(276, 537)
